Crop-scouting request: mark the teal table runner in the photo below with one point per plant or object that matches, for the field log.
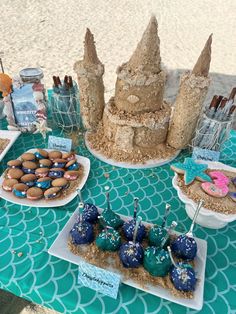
(26, 233)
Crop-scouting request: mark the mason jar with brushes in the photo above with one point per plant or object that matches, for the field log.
(214, 126)
(65, 107)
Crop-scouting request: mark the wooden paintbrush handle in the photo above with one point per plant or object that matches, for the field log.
(55, 81)
(232, 94)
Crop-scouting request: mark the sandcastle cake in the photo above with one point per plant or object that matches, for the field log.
(137, 115)
(133, 126)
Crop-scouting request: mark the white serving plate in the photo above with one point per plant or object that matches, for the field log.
(60, 249)
(148, 164)
(206, 217)
(12, 136)
(52, 203)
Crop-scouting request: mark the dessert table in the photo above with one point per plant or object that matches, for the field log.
(26, 233)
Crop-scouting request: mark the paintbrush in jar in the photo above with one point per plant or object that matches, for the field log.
(205, 123)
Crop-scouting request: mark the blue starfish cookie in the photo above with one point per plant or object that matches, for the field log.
(191, 170)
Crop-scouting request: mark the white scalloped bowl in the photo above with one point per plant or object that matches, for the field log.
(206, 217)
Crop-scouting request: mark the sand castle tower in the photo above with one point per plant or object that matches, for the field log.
(133, 127)
(89, 72)
(140, 81)
(135, 121)
(192, 92)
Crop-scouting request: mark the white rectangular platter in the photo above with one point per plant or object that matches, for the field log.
(60, 249)
(84, 161)
(12, 136)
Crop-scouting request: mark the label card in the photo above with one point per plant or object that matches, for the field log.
(205, 154)
(59, 143)
(99, 279)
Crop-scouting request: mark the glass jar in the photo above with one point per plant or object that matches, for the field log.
(31, 75)
(28, 99)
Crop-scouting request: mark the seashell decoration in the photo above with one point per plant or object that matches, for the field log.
(133, 99)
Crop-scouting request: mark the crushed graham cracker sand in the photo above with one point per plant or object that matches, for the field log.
(139, 155)
(111, 261)
(3, 144)
(223, 205)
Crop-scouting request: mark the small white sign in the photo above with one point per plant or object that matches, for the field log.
(99, 279)
(205, 154)
(59, 143)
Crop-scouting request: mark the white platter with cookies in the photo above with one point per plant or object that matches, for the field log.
(63, 200)
(206, 217)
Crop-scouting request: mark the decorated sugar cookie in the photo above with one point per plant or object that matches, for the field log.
(219, 177)
(219, 186)
(191, 170)
(214, 190)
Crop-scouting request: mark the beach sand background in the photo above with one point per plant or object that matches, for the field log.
(49, 34)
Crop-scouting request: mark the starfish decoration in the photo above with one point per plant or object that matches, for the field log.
(41, 127)
(191, 170)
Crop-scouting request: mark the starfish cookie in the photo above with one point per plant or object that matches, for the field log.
(191, 170)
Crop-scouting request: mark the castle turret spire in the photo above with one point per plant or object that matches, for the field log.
(146, 56)
(90, 53)
(202, 65)
(189, 101)
(89, 72)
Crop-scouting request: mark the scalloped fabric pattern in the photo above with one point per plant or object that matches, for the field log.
(51, 282)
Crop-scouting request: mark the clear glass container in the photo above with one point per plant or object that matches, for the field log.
(65, 112)
(211, 133)
(31, 75)
(28, 100)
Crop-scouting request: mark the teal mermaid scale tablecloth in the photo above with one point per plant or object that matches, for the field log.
(46, 280)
